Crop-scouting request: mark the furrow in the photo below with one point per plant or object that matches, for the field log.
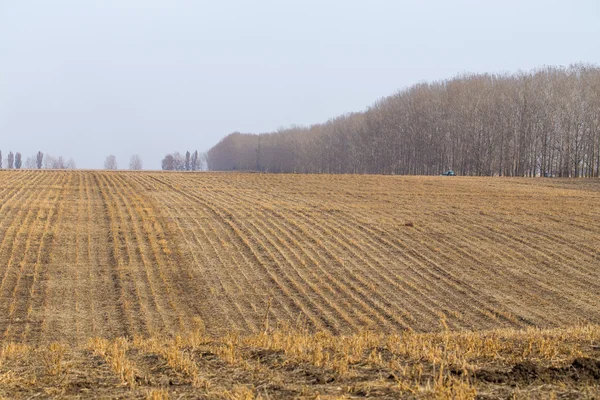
(132, 309)
(286, 289)
(14, 248)
(38, 291)
(312, 269)
(160, 260)
(27, 275)
(223, 284)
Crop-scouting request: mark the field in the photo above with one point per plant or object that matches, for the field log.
(197, 284)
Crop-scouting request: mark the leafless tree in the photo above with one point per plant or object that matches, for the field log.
(51, 162)
(110, 162)
(168, 163)
(194, 161)
(39, 159)
(178, 161)
(135, 163)
(58, 163)
(188, 161)
(48, 161)
(10, 160)
(18, 161)
(30, 163)
(174, 162)
(0, 160)
(200, 161)
(542, 123)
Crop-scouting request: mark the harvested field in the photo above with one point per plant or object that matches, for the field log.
(148, 255)
(282, 364)
(114, 254)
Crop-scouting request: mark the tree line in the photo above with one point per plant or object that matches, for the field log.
(540, 123)
(173, 161)
(189, 162)
(42, 161)
(38, 161)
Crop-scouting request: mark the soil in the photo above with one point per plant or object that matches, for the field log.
(580, 370)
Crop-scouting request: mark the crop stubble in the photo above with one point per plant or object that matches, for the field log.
(109, 254)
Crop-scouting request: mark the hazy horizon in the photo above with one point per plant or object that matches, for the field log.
(85, 80)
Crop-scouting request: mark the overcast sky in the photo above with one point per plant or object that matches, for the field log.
(85, 78)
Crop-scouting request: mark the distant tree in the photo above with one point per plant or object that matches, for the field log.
(110, 162)
(18, 160)
(58, 163)
(194, 161)
(198, 161)
(168, 163)
(30, 163)
(178, 162)
(10, 160)
(202, 161)
(0, 160)
(39, 159)
(188, 163)
(51, 162)
(48, 161)
(541, 123)
(135, 163)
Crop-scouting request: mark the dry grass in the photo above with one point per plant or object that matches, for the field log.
(288, 362)
(393, 285)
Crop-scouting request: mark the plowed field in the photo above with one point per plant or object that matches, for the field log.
(100, 272)
(112, 254)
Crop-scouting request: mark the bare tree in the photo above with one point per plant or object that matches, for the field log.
(10, 160)
(135, 163)
(168, 163)
(174, 162)
(30, 163)
(187, 163)
(178, 161)
(48, 161)
(51, 162)
(198, 161)
(110, 162)
(194, 161)
(39, 159)
(0, 160)
(18, 160)
(58, 163)
(203, 161)
(541, 123)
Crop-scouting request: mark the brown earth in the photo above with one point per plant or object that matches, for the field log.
(94, 254)
(291, 363)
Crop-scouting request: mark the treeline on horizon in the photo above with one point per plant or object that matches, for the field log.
(38, 161)
(540, 123)
(171, 162)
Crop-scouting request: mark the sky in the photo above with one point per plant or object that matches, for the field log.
(85, 79)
